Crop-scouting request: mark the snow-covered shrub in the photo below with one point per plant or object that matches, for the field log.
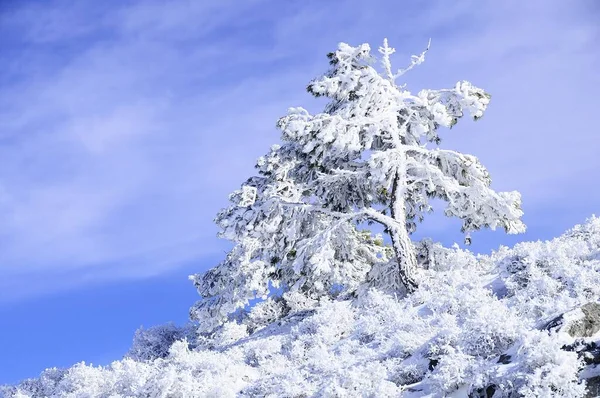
(544, 279)
(277, 307)
(266, 312)
(229, 333)
(156, 341)
(539, 368)
(183, 373)
(435, 257)
(455, 370)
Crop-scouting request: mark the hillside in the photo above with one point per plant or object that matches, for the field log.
(523, 321)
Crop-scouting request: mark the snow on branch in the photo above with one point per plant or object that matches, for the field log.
(386, 51)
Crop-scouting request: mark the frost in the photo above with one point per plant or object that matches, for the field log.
(248, 196)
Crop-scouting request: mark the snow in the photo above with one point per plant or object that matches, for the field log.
(444, 340)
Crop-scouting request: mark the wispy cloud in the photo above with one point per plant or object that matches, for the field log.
(123, 126)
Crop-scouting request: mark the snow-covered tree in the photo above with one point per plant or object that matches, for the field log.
(370, 157)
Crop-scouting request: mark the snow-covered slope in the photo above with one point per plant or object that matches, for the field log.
(511, 324)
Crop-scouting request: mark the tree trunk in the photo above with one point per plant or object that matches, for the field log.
(401, 242)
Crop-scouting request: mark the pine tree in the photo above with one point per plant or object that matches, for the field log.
(371, 156)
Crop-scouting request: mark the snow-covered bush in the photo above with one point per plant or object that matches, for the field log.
(544, 279)
(455, 336)
(156, 341)
(539, 368)
(183, 373)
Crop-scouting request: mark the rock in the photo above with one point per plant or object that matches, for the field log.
(487, 392)
(580, 322)
(589, 324)
(555, 324)
(588, 352)
(504, 359)
(433, 363)
(593, 387)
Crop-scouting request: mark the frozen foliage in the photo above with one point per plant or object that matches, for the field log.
(149, 344)
(477, 326)
(543, 279)
(183, 373)
(371, 157)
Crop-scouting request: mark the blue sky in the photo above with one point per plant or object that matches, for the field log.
(125, 124)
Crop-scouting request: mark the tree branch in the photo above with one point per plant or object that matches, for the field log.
(368, 213)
